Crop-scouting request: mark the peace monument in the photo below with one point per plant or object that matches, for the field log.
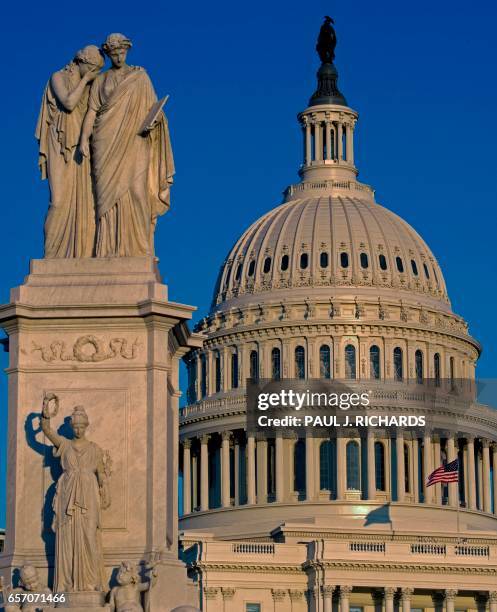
(95, 346)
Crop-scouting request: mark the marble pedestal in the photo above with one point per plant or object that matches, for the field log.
(100, 333)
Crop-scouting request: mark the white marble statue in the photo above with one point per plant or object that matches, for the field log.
(82, 493)
(131, 159)
(70, 222)
(127, 597)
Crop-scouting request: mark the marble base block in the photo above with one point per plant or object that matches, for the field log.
(93, 600)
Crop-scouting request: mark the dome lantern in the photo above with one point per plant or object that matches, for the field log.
(328, 122)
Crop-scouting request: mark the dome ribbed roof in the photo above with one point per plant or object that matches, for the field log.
(334, 245)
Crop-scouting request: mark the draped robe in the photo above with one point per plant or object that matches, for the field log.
(77, 522)
(132, 172)
(70, 222)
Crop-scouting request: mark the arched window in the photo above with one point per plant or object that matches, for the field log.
(436, 368)
(276, 364)
(383, 262)
(271, 466)
(203, 374)
(364, 260)
(398, 370)
(238, 274)
(192, 381)
(326, 465)
(350, 361)
(299, 362)
(379, 466)
(234, 371)
(323, 259)
(427, 273)
(414, 267)
(325, 361)
(400, 264)
(251, 268)
(254, 365)
(374, 362)
(284, 263)
(217, 361)
(304, 261)
(407, 467)
(299, 466)
(344, 260)
(418, 362)
(267, 265)
(353, 466)
(452, 372)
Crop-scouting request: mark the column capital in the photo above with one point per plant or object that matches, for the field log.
(296, 594)
(186, 442)
(278, 594)
(450, 594)
(407, 592)
(211, 592)
(328, 590)
(228, 593)
(226, 435)
(204, 438)
(492, 596)
(485, 443)
(390, 592)
(345, 590)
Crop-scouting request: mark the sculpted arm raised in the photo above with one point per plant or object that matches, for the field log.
(54, 438)
(70, 98)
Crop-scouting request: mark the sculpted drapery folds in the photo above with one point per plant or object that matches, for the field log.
(132, 168)
(81, 495)
(70, 222)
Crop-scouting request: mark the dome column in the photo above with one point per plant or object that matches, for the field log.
(406, 595)
(309, 467)
(492, 601)
(450, 597)
(187, 471)
(371, 465)
(341, 468)
(250, 470)
(415, 470)
(437, 460)
(471, 473)
(389, 595)
(279, 451)
(204, 472)
(453, 486)
(427, 467)
(401, 468)
(225, 469)
(345, 591)
(340, 141)
(487, 500)
(349, 140)
(236, 475)
(261, 471)
(328, 127)
(328, 598)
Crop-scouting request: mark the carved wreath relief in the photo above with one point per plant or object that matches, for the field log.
(88, 349)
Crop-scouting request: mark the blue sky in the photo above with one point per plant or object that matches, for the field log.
(421, 75)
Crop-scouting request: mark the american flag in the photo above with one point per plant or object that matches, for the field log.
(448, 472)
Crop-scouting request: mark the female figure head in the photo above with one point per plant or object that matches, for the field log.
(89, 59)
(116, 48)
(79, 422)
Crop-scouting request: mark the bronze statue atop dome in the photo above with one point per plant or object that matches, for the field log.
(327, 41)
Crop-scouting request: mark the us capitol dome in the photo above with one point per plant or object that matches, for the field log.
(332, 285)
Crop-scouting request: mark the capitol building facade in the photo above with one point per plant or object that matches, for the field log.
(332, 285)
